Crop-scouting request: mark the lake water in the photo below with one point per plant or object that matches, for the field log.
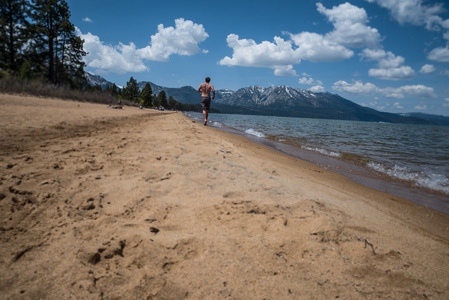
(411, 161)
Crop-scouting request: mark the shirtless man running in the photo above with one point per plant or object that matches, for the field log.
(205, 89)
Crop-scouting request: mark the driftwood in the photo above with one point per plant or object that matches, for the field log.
(372, 247)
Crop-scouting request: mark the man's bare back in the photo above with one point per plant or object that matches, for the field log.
(205, 89)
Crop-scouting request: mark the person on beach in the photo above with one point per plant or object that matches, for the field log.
(205, 88)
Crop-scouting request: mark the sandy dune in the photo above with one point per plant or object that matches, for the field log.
(98, 203)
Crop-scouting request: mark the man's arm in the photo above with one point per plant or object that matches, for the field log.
(213, 92)
(199, 89)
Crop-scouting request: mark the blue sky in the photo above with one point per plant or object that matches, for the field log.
(390, 55)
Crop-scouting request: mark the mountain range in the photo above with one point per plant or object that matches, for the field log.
(286, 101)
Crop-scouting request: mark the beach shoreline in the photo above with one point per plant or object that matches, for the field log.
(104, 203)
(356, 171)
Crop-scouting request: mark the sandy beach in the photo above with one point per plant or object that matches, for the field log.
(101, 203)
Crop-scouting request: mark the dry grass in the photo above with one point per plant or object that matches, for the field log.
(12, 85)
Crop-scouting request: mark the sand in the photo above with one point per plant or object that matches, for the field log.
(98, 203)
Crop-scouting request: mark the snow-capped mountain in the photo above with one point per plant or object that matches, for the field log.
(280, 101)
(279, 96)
(95, 80)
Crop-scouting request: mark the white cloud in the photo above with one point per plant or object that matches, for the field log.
(439, 54)
(400, 73)
(305, 80)
(350, 27)
(316, 48)
(350, 30)
(183, 39)
(421, 107)
(390, 66)
(418, 91)
(358, 87)
(309, 81)
(118, 59)
(418, 13)
(284, 71)
(87, 19)
(414, 12)
(446, 104)
(427, 69)
(317, 89)
(373, 54)
(397, 105)
(279, 55)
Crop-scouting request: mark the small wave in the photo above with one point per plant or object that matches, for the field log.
(424, 179)
(322, 151)
(255, 133)
(216, 124)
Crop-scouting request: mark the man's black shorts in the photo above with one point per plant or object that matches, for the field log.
(205, 103)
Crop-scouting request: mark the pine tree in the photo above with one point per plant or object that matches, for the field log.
(156, 101)
(14, 33)
(131, 92)
(146, 95)
(162, 97)
(172, 103)
(114, 89)
(57, 49)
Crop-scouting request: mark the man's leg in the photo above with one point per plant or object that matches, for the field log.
(205, 115)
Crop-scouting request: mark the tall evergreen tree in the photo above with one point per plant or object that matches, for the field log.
(156, 101)
(146, 95)
(114, 89)
(14, 33)
(162, 97)
(171, 103)
(131, 92)
(58, 49)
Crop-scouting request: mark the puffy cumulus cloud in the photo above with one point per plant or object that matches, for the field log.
(358, 87)
(421, 107)
(183, 39)
(317, 89)
(427, 69)
(278, 55)
(446, 103)
(414, 12)
(390, 66)
(373, 54)
(417, 91)
(439, 54)
(399, 73)
(397, 105)
(118, 59)
(350, 30)
(88, 20)
(309, 80)
(350, 27)
(284, 71)
(316, 48)
(418, 13)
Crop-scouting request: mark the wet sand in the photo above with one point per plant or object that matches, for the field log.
(138, 204)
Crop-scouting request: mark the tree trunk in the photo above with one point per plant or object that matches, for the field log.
(51, 73)
(11, 38)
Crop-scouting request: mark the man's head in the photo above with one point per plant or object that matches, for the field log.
(207, 79)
